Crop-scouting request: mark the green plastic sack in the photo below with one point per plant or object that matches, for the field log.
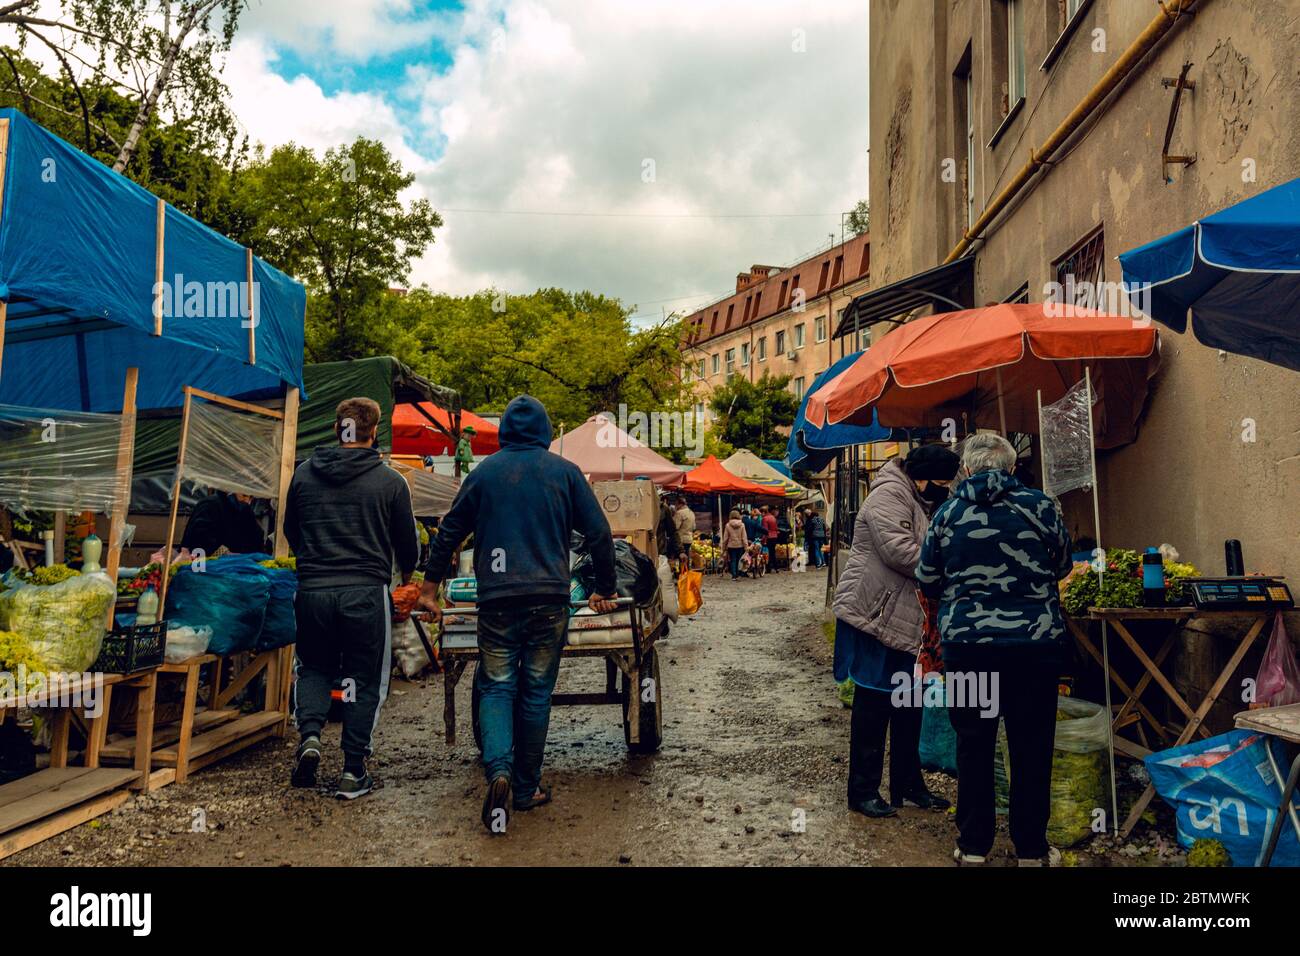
(1080, 770)
(938, 747)
(62, 625)
(845, 691)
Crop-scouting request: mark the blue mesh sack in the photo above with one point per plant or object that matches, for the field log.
(230, 596)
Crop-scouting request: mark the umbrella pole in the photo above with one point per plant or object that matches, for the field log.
(718, 546)
(1002, 406)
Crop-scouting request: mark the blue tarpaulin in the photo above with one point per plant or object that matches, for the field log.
(78, 271)
(813, 448)
(1237, 271)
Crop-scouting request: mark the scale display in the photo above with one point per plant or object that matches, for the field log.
(1240, 594)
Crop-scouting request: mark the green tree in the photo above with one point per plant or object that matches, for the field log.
(336, 223)
(859, 218)
(751, 414)
(156, 55)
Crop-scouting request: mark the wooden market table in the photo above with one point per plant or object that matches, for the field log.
(1284, 724)
(60, 797)
(1133, 712)
(210, 732)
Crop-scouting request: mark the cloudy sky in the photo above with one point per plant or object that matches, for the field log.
(647, 149)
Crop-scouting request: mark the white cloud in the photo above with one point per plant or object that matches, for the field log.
(554, 105)
(353, 29)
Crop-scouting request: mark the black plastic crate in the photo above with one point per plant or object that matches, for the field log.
(132, 648)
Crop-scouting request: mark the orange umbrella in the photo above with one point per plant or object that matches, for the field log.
(984, 368)
(415, 434)
(710, 478)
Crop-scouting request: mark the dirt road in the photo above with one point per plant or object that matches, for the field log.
(755, 751)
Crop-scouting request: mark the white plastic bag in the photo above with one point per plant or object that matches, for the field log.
(667, 589)
(408, 650)
(184, 642)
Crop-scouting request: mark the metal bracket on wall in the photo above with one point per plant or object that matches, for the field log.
(1178, 84)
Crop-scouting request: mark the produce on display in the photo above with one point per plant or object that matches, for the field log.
(1121, 585)
(61, 623)
(1208, 852)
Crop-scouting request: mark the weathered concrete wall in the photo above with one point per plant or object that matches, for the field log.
(1190, 479)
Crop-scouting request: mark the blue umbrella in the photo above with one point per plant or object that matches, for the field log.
(814, 448)
(1237, 272)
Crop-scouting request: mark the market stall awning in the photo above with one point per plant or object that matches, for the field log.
(944, 287)
(711, 478)
(78, 270)
(414, 431)
(982, 367)
(604, 452)
(752, 468)
(1237, 272)
(813, 447)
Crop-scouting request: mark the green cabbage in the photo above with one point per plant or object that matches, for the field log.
(62, 625)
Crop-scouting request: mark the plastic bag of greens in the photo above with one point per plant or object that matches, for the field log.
(61, 625)
(1080, 770)
(230, 596)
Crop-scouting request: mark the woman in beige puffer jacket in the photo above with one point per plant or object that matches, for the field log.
(734, 541)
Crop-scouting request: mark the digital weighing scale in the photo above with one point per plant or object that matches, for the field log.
(1239, 593)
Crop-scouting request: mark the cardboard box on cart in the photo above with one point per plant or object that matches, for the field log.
(632, 510)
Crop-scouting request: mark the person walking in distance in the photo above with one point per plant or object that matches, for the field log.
(347, 516)
(522, 505)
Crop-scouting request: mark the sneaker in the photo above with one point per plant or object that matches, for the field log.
(496, 802)
(352, 786)
(962, 858)
(922, 798)
(1053, 858)
(306, 762)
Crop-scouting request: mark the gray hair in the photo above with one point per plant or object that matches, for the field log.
(985, 452)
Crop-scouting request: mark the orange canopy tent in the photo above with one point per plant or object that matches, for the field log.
(414, 433)
(710, 478)
(985, 367)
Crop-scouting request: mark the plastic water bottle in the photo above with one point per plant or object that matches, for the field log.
(1153, 578)
(146, 609)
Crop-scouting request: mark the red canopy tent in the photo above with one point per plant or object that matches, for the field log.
(415, 434)
(987, 366)
(710, 478)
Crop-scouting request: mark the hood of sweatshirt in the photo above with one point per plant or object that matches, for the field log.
(988, 486)
(335, 465)
(525, 424)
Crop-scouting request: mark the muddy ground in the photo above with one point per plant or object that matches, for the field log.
(755, 741)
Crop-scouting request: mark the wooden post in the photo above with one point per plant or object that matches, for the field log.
(176, 499)
(60, 536)
(158, 268)
(252, 318)
(125, 458)
(1002, 407)
(288, 449)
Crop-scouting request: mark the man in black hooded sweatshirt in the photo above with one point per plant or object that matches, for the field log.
(522, 505)
(348, 516)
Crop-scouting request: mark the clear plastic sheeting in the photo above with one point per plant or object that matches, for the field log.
(233, 451)
(1067, 442)
(431, 494)
(52, 460)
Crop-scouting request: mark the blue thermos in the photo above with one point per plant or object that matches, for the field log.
(1153, 578)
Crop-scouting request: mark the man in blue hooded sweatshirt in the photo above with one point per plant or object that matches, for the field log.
(522, 505)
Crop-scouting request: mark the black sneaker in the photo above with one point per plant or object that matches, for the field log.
(306, 763)
(352, 786)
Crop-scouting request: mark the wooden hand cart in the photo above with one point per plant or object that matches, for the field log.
(628, 650)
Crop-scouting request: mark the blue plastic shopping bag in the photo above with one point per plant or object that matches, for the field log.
(1224, 788)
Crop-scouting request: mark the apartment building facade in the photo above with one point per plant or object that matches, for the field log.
(779, 321)
(962, 94)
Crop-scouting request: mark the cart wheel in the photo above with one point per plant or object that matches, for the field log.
(652, 712)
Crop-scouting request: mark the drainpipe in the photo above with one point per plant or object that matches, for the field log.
(1171, 12)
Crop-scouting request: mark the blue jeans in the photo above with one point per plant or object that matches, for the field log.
(519, 658)
(815, 551)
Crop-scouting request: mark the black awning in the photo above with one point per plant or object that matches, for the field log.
(947, 287)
